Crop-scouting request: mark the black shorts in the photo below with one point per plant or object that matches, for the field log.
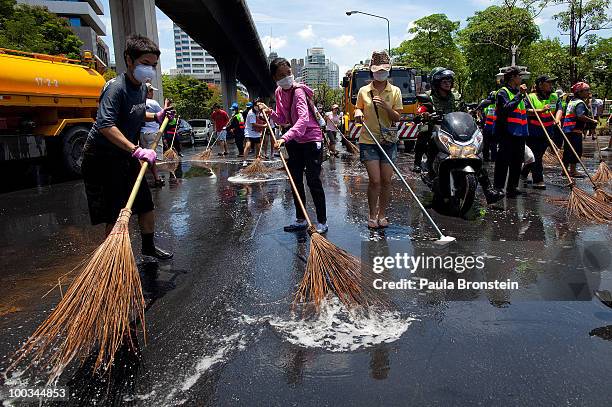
(108, 184)
(331, 135)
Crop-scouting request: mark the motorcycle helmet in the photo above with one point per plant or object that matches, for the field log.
(440, 73)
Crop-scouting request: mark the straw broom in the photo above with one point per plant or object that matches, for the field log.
(207, 153)
(98, 307)
(257, 166)
(170, 154)
(603, 175)
(329, 269)
(549, 158)
(579, 204)
(352, 148)
(599, 194)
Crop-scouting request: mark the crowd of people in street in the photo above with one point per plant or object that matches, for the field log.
(515, 125)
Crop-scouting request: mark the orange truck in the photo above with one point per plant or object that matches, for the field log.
(47, 106)
(410, 81)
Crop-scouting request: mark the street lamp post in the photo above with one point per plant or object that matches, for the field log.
(348, 13)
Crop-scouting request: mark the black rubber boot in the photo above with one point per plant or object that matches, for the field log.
(149, 249)
(491, 194)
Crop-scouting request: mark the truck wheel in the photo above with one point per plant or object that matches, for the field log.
(73, 143)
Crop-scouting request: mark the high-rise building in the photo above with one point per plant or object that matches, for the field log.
(318, 70)
(82, 15)
(192, 59)
(333, 74)
(272, 56)
(297, 65)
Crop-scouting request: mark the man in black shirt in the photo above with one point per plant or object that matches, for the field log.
(111, 156)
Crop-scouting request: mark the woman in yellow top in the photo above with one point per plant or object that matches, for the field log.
(378, 106)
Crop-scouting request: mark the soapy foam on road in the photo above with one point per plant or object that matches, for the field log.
(336, 329)
(244, 179)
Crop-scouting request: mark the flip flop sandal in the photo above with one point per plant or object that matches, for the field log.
(373, 224)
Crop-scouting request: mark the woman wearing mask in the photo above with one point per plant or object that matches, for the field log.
(378, 106)
(111, 156)
(303, 140)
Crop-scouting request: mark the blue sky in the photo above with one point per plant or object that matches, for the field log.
(292, 26)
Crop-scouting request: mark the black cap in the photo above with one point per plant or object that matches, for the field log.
(544, 78)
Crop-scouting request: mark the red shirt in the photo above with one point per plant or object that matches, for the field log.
(220, 118)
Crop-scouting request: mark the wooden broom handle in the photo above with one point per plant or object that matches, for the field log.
(295, 190)
(552, 144)
(573, 151)
(145, 165)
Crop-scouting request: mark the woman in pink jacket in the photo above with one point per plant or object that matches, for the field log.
(295, 110)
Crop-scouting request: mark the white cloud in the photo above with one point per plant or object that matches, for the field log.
(342, 40)
(306, 33)
(276, 42)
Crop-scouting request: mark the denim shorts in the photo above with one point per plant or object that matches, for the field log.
(222, 135)
(371, 152)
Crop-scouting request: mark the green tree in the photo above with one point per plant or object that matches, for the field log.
(432, 43)
(549, 57)
(109, 74)
(578, 19)
(191, 97)
(599, 57)
(327, 96)
(35, 29)
(487, 41)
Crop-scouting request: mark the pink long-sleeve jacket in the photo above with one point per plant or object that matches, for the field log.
(305, 126)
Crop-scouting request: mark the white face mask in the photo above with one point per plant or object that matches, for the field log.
(380, 76)
(286, 82)
(144, 73)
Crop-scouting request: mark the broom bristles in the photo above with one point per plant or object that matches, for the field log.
(582, 205)
(205, 155)
(352, 148)
(332, 270)
(96, 310)
(549, 158)
(257, 167)
(170, 155)
(603, 175)
(603, 196)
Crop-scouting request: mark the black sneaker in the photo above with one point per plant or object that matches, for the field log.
(158, 254)
(493, 195)
(296, 226)
(417, 169)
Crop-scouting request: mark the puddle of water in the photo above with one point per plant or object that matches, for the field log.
(244, 179)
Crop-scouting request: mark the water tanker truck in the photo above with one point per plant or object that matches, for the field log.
(47, 106)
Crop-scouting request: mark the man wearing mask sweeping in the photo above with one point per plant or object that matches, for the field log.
(111, 156)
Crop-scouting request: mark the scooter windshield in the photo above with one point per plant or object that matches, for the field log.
(459, 125)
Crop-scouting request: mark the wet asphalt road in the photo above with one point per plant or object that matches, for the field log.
(219, 320)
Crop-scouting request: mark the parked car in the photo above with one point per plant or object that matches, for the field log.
(185, 133)
(202, 129)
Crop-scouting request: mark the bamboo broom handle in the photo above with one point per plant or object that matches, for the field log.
(573, 151)
(263, 139)
(145, 165)
(552, 144)
(295, 190)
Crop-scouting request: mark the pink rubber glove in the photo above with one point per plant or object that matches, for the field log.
(145, 154)
(159, 116)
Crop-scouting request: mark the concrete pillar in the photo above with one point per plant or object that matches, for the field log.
(134, 17)
(228, 66)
